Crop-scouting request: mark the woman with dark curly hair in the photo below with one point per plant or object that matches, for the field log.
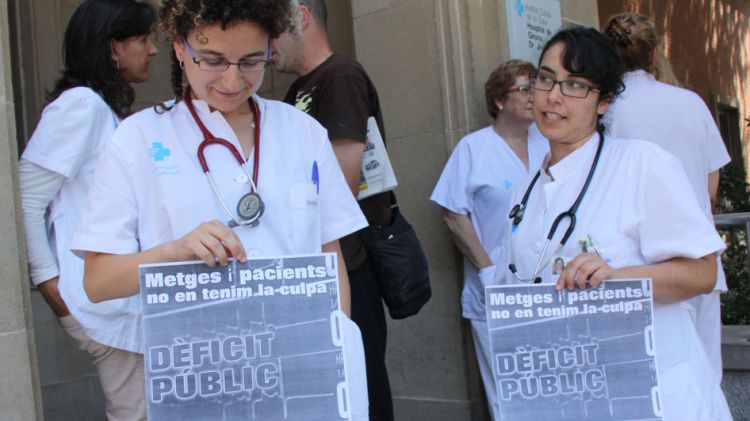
(166, 189)
(107, 47)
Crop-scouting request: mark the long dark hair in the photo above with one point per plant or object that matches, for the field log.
(87, 50)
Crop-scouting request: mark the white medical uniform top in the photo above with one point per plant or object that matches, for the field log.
(677, 120)
(149, 189)
(477, 181)
(67, 140)
(636, 213)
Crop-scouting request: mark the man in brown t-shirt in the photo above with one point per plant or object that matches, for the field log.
(337, 92)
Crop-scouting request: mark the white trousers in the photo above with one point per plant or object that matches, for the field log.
(120, 374)
(484, 358)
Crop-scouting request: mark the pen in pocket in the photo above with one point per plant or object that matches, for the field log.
(315, 177)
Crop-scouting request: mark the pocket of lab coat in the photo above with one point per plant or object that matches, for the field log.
(305, 216)
(615, 250)
(682, 397)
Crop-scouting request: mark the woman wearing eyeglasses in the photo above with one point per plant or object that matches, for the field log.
(165, 191)
(476, 182)
(624, 210)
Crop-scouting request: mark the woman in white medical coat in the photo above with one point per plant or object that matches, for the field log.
(477, 181)
(634, 219)
(151, 200)
(679, 121)
(107, 47)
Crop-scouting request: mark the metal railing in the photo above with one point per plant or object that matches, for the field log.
(726, 220)
(742, 218)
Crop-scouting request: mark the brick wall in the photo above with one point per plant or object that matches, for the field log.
(707, 42)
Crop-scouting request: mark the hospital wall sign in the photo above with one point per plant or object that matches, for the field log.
(530, 24)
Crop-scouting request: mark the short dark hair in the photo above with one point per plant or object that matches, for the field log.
(318, 9)
(589, 54)
(87, 49)
(501, 79)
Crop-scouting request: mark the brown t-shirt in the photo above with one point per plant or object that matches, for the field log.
(341, 97)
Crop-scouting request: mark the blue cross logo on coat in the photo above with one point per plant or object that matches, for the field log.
(158, 152)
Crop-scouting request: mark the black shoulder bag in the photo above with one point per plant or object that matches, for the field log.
(400, 264)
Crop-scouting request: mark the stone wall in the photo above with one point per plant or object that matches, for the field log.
(19, 385)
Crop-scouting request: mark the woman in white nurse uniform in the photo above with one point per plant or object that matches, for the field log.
(679, 121)
(151, 200)
(637, 212)
(107, 47)
(476, 184)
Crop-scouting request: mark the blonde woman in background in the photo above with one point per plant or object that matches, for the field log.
(475, 188)
(679, 121)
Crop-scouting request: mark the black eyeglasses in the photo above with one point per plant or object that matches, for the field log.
(524, 90)
(222, 64)
(569, 87)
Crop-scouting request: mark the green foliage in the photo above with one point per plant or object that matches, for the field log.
(734, 197)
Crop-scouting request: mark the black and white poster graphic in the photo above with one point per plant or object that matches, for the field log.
(574, 355)
(261, 340)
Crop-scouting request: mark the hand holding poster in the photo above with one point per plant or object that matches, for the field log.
(574, 355)
(261, 340)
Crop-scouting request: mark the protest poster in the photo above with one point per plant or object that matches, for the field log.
(574, 355)
(261, 340)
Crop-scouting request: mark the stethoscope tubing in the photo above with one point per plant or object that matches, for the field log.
(516, 215)
(210, 139)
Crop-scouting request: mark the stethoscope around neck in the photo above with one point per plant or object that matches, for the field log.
(250, 207)
(516, 214)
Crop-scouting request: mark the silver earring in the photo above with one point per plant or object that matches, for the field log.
(499, 108)
(182, 64)
(117, 65)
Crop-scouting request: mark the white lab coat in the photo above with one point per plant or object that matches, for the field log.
(637, 212)
(67, 140)
(149, 189)
(679, 121)
(477, 182)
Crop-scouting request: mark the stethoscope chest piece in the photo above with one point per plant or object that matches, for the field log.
(516, 214)
(250, 208)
